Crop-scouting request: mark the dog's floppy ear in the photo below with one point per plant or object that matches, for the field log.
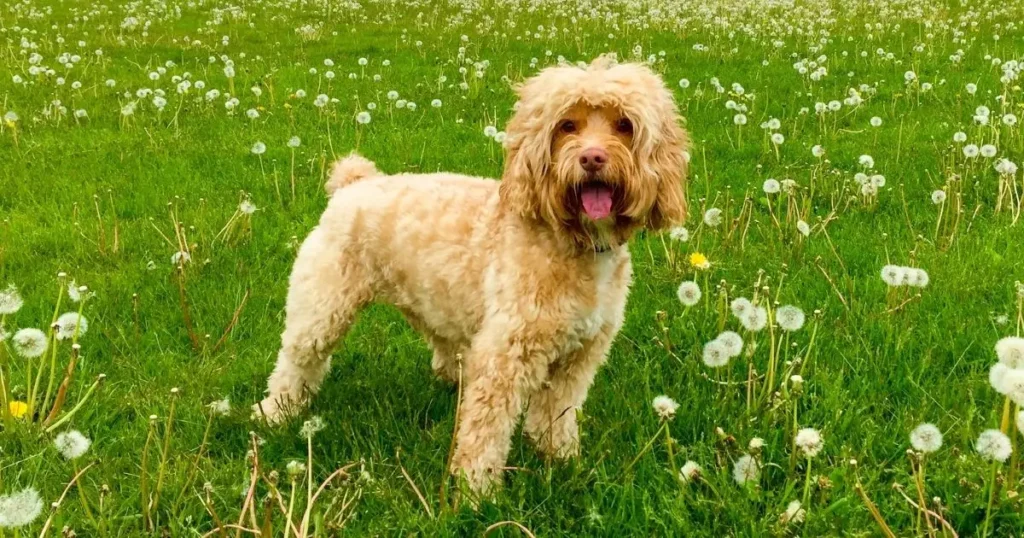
(527, 153)
(665, 153)
(670, 162)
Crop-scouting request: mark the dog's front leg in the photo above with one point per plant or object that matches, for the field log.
(551, 418)
(498, 383)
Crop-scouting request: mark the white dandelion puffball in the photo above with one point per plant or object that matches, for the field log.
(938, 196)
(755, 319)
(732, 342)
(740, 306)
(689, 293)
(713, 217)
(20, 509)
(771, 186)
(876, 121)
(311, 427)
(960, 137)
(917, 278)
(29, 343)
(436, 103)
(778, 139)
(259, 148)
(926, 438)
(10, 300)
(997, 376)
(988, 151)
(790, 318)
(490, 131)
(755, 444)
(866, 161)
(803, 228)
(1012, 385)
(679, 233)
(715, 354)
(220, 407)
(690, 471)
(809, 441)
(971, 151)
(363, 117)
(1010, 351)
(793, 513)
(893, 275)
(746, 469)
(71, 325)
(994, 445)
(665, 407)
(817, 151)
(295, 468)
(247, 207)
(72, 444)
(294, 142)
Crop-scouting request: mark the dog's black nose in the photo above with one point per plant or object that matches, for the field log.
(593, 159)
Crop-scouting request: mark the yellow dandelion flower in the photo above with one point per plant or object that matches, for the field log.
(18, 409)
(699, 261)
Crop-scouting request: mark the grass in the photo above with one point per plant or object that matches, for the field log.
(94, 196)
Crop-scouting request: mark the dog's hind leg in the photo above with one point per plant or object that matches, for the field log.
(325, 293)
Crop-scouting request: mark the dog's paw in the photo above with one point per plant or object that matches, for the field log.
(273, 410)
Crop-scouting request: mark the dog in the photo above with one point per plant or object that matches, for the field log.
(519, 286)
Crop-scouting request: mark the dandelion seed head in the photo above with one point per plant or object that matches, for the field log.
(715, 354)
(664, 407)
(713, 217)
(793, 514)
(689, 293)
(220, 407)
(10, 300)
(71, 324)
(926, 438)
(994, 445)
(1010, 351)
(679, 233)
(29, 343)
(732, 342)
(790, 318)
(809, 441)
(72, 444)
(311, 427)
(746, 469)
(690, 471)
(20, 509)
(740, 306)
(755, 319)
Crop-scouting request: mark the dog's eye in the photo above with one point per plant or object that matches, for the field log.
(624, 126)
(567, 126)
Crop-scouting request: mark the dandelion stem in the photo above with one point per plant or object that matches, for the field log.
(165, 452)
(671, 455)
(645, 448)
(807, 488)
(78, 406)
(991, 498)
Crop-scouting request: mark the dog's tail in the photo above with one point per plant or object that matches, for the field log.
(349, 170)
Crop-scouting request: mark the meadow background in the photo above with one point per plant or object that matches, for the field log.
(136, 131)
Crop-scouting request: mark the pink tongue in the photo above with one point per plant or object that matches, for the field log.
(597, 201)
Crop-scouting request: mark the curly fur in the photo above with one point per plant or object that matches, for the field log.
(509, 278)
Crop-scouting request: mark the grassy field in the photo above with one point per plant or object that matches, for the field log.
(114, 157)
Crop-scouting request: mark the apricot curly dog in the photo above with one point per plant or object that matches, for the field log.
(524, 280)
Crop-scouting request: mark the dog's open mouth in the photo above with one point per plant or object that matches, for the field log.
(597, 199)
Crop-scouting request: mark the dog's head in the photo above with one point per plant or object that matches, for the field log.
(596, 153)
